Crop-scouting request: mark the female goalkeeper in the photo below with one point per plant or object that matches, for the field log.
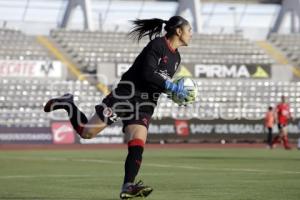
(135, 97)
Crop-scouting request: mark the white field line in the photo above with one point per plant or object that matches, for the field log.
(44, 176)
(185, 167)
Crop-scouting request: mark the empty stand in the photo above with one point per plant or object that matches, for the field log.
(289, 44)
(233, 99)
(21, 101)
(89, 48)
(17, 46)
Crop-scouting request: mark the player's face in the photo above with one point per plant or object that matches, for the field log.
(186, 34)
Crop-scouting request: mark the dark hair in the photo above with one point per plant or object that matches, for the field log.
(270, 108)
(153, 27)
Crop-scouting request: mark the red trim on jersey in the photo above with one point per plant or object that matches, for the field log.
(136, 142)
(169, 45)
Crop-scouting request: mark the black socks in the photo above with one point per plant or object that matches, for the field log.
(133, 160)
(77, 118)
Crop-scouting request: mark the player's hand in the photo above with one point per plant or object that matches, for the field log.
(177, 89)
(181, 93)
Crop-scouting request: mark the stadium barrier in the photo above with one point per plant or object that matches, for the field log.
(166, 130)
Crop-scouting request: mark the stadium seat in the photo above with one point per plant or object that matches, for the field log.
(97, 46)
(22, 100)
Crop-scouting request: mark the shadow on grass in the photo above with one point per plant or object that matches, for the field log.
(51, 198)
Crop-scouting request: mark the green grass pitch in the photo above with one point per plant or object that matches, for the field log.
(175, 174)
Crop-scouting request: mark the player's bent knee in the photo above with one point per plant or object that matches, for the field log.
(87, 135)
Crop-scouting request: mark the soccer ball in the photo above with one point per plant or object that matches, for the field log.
(191, 86)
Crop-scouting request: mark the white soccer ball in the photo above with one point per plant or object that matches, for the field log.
(191, 86)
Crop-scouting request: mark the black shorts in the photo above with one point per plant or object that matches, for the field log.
(132, 110)
(281, 126)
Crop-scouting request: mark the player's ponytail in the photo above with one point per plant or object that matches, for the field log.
(144, 27)
(153, 27)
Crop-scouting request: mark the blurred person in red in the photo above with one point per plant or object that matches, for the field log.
(283, 117)
(269, 123)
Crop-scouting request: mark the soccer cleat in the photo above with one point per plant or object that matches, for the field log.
(59, 102)
(135, 190)
(288, 148)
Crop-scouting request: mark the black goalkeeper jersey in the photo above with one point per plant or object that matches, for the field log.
(157, 63)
